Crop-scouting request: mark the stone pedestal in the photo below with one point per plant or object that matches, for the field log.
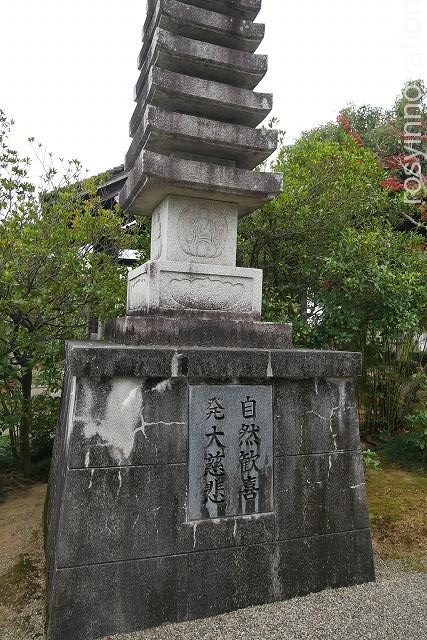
(201, 464)
(193, 263)
(190, 481)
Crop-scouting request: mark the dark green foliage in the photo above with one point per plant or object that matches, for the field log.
(344, 260)
(58, 269)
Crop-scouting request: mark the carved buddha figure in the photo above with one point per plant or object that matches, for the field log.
(203, 236)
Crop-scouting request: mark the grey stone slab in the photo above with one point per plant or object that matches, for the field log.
(305, 363)
(92, 602)
(198, 23)
(167, 132)
(231, 532)
(315, 416)
(202, 60)
(186, 331)
(154, 177)
(230, 450)
(248, 9)
(308, 565)
(267, 573)
(226, 364)
(94, 359)
(122, 422)
(197, 96)
(129, 512)
(319, 494)
(231, 578)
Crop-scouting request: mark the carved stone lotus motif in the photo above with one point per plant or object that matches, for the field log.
(205, 293)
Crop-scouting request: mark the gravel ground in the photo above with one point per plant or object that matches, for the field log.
(392, 609)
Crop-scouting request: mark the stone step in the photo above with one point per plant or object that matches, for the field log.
(202, 60)
(247, 9)
(189, 330)
(166, 132)
(199, 24)
(154, 176)
(195, 96)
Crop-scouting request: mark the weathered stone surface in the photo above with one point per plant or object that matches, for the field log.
(182, 286)
(96, 359)
(130, 512)
(152, 415)
(204, 332)
(196, 96)
(308, 565)
(166, 132)
(196, 230)
(152, 591)
(203, 60)
(155, 176)
(91, 602)
(306, 363)
(201, 24)
(318, 415)
(267, 573)
(319, 494)
(248, 9)
(249, 583)
(120, 509)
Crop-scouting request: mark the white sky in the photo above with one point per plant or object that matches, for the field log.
(67, 68)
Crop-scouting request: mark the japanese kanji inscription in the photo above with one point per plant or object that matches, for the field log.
(230, 451)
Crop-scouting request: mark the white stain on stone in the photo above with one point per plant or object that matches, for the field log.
(329, 467)
(270, 373)
(119, 476)
(87, 459)
(164, 385)
(339, 410)
(331, 429)
(357, 486)
(156, 525)
(175, 365)
(91, 479)
(122, 417)
(71, 407)
(195, 525)
(235, 528)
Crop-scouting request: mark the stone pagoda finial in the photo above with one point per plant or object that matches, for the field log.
(195, 144)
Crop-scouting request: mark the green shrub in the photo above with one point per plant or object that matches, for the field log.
(418, 423)
(404, 450)
(371, 459)
(40, 470)
(6, 459)
(45, 418)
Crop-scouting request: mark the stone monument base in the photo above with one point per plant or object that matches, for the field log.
(156, 516)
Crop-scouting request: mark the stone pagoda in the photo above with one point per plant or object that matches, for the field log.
(195, 145)
(201, 464)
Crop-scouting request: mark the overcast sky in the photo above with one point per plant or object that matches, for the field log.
(68, 68)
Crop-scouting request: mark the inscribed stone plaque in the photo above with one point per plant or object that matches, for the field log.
(230, 451)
